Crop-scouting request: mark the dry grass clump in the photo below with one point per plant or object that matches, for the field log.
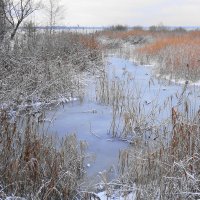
(170, 172)
(175, 54)
(33, 165)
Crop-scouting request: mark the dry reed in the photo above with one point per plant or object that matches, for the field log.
(34, 165)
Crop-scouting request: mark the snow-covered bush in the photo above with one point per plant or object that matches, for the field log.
(42, 66)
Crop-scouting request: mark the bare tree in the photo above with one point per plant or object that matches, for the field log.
(16, 11)
(54, 12)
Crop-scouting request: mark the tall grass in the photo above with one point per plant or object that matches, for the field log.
(170, 172)
(175, 55)
(130, 121)
(35, 165)
(165, 171)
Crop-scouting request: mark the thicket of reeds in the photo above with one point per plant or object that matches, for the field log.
(176, 55)
(130, 117)
(163, 165)
(168, 172)
(34, 165)
(163, 160)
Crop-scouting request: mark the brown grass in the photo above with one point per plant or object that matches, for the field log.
(170, 172)
(164, 42)
(34, 166)
(89, 42)
(176, 53)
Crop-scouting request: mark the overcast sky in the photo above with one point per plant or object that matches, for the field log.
(131, 12)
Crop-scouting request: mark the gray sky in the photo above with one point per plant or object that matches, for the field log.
(131, 12)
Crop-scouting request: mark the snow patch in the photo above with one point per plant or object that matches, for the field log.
(14, 198)
(179, 82)
(116, 196)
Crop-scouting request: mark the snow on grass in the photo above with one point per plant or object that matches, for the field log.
(14, 198)
(116, 196)
(37, 105)
(179, 81)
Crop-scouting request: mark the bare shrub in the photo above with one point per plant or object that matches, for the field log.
(41, 67)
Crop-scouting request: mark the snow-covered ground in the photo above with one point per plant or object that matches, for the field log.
(179, 81)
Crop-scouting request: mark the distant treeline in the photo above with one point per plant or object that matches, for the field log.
(120, 28)
(152, 28)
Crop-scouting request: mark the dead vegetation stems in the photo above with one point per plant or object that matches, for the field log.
(34, 165)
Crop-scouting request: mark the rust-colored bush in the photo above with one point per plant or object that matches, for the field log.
(89, 41)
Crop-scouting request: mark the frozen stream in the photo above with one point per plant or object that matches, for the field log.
(91, 121)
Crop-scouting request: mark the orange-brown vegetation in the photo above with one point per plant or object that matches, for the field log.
(191, 38)
(176, 52)
(89, 41)
(34, 165)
